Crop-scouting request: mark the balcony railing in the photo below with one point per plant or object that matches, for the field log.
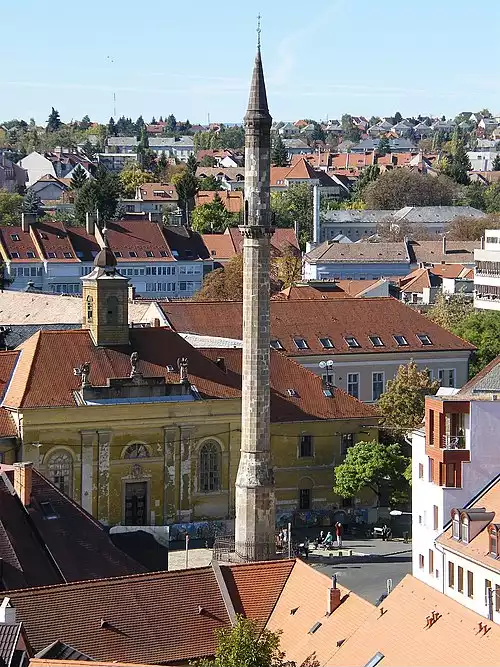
(453, 441)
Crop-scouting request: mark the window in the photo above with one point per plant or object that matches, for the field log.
(421, 471)
(276, 344)
(470, 584)
(132, 253)
(14, 237)
(464, 529)
(493, 541)
(401, 340)
(326, 343)
(451, 574)
(48, 510)
(163, 253)
(446, 377)
(421, 561)
(30, 254)
(455, 526)
(460, 579)
(346, 441)
(435, 517)
(376, 341)
(377, 385)
(351, 341)
(136, 451)
(424, 339)
(51, 255)
(497, 598)
(431, 562)
(431, 469)
(60, 471)
(14, 255)
(118, 253)
(353, 384)
(304, 499)
(301, 343)
(68, 255)
(149, 253)
(487, 591)
(305, 448)
(112, 310)
(90, 309)
(210, 456)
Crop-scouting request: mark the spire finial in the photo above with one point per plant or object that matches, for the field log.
(258, 31)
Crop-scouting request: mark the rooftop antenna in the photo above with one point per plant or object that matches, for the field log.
(114, 105)
(258, 31)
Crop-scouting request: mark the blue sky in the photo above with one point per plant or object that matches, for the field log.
(194, 58)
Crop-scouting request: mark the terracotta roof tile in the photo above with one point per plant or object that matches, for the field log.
(401, 635)
(54, 242)
(316, 319)
(220, 246)
(134, 239)
(12, 246)
(232, 199)
(160, 192)
(301, 292)
(281, 239)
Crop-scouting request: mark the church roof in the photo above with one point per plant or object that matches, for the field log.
(257, 102)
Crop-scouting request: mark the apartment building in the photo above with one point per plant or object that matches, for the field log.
(487, 272)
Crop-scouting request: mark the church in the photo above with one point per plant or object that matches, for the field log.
(141, 428)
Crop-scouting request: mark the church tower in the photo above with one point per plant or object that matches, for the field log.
(255, 512)
(105, 301)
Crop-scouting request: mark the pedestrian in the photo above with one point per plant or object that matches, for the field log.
(306, 548)
(328, 541)
(385, 532)
(338, 533)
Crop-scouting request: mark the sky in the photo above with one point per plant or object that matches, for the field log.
(194, 59)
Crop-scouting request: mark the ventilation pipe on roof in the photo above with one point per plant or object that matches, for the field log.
(316, 206)
(444, 244)
(7, 612)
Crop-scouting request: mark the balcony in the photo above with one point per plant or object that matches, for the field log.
(453, 441)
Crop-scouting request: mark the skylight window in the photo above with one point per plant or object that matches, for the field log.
(68, 255)
(30, 254)
(301, 343)
(401, 340)
(132, 253)
(15, 237)
(326, 343)
(163, 253)
(292, 392)
(276, 344)
(14, 255)
(51, 255)
(351, 341)
(424, 339)
(118, 253)
(48, 510)
(149, 253)
(376, 341)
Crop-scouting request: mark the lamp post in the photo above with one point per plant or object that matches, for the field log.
(328, 365)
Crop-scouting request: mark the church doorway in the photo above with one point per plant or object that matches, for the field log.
(136, 497)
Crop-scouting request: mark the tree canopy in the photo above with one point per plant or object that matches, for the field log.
(482, 329)
(374, 465)
(450, 311)
(99, 194)
(471, 229)
(10, 208)
(187, 185)
(132, 177)
(402, 403)
(279, 155)
(31, 203)
(224, 284)
(54, 121)
(295, 204)
(402, 187)
(211, 217)
(79, 178)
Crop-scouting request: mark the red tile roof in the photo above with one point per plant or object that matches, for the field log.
(280, 240)
(220, 246)
(86, 246)
(232, 199)
(158, 192)
(334, 319)
(23, 246)
(54, 242)
(138, 237)
(300, 292)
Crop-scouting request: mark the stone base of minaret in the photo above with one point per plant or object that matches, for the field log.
(255, 510)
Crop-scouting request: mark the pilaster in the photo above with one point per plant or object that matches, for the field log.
(89, 439)
(103, 445)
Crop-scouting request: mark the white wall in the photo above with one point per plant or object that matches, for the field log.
(37, 166)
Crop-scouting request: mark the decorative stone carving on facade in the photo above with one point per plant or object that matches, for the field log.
(182, 365)
(83, 372)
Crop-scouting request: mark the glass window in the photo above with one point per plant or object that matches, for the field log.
(60, 471)
(424, 339)
(346, 441)
(464, 530)
(276, 344)
(30, 254)
(351, 341)
(470, 584)
(487, 591)
(136, 451)
(90, 308)
(401, 340)
(112, 306)
(301, 343)
(421, 561)
(210, 456)
(435, 517)
(353, 384)
(493, 543)
(326, 343)
(451, 574)
(460, 579)
(421, 471)
(431, 562)
(305, 499)
(377, 385)
(446, 377)
(306, 448)
(456, 527)
(376, 341)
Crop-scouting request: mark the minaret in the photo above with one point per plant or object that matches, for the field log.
(255, 512)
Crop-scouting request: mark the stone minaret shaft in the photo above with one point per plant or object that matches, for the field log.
(255, 512)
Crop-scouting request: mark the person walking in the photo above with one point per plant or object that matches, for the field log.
(338, 533)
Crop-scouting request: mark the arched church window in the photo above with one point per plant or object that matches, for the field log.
(136, 451)
(90, 309)
(60, 471)
(210, 465)
(112, 306)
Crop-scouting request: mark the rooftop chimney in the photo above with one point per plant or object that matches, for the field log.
(131, 293)
(333, 597)
(7, 612)
(27, 219)
(90, 219)
(23, 481)
(444, 245)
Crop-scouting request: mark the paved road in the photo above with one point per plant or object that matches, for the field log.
(369, 580)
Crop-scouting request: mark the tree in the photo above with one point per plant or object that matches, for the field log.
(211, 217)
(318, 133)
(286, 268)
(496, 163)
(85, 123)
(246, 645)
(224, 284)
(492, 198)
(145, 156)
(279, 154)
(192, 165)
(474, 196)
(10, 208)
(457, 165)
(99, 194)
(112, 129)
(450, 311)
(53, 122)
(397, 118)
(402, 403)
(208, 161)
(349, 131)
(368, 174)
(402, 187)
(383, 147)
(471, 229)
(31, 203)
(89, 151)
(187, 185)
(210, 183)
(293, 205)
(131, 178)
(79, 178)
(170, 125)
(139, 125)
(482, 329)
(379, 467)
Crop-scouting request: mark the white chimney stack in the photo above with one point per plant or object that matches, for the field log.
(7, 612)
(316, 206)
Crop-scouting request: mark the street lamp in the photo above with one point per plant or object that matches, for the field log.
(328, 365)
(398, 513)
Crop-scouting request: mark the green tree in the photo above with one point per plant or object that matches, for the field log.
(132, 177)
(89, 151)
(192, 164)
(208, 161)
(85, 123)
(482, 329)
(187, 185)
(230, 137)
(78, 179)
(211, 217)
(402, 403)
(379, 467)
(318, 133)
(99, 194)
(492, 198)
(383, 147)
(10, 208)
(457, 165)
(210, 183)
(53, 122)
(349, 131)
(474, 195)
(170, 125)
(32, 203)
(471, 229)
(246, 645)
(286, 268)
(112, 130)
(368, 175)
(279, 154)
(496, 163)
(402, 187)
(295, 204)
(397, 117)
(450, 311)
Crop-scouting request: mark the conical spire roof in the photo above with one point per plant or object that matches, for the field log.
(257, 102)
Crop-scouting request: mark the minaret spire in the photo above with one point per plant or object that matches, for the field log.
(255, 512)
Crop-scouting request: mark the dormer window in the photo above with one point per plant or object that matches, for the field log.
(401, 340)
(456, 526)
(30, 254)
(149, 253)
(14, 255)
(376, 341)
(14, 237)
(464, 529)
(163, 253)
(132, 253)
(424, 339)
(326, 343)
(276, 344)
(118, 253)
(68, 255)
(51, 255)
(301, 343)
(351, 341)
(493, 541)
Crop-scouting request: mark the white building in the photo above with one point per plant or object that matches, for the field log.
(487, 272)
(482, 160)
(455, 468)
